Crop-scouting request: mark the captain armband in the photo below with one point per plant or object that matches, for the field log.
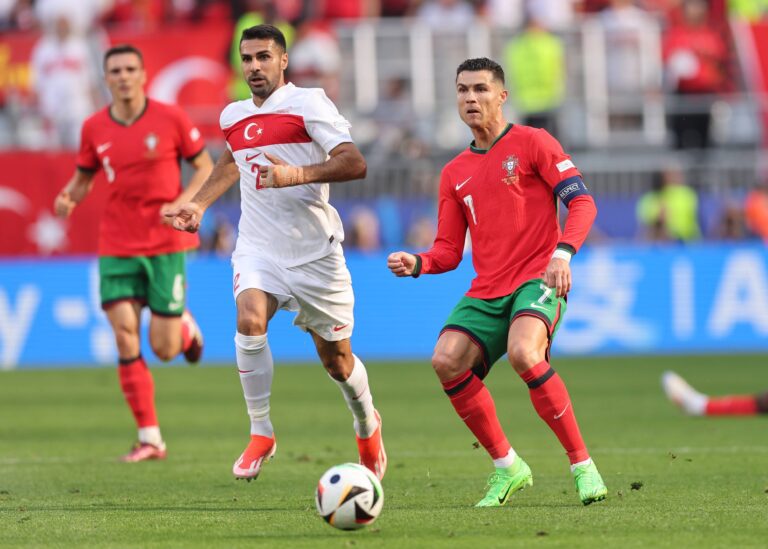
(570, 188)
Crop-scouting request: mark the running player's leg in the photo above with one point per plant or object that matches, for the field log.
(323, 291)
(254, 364)
(136, 381)
(123, 288)
(350, 375)
(536, 315)
(694, 403)
(453, 360)
(172, 329)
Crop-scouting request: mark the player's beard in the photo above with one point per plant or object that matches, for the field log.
(263, 91)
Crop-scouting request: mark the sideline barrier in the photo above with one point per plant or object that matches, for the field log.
(627, 299)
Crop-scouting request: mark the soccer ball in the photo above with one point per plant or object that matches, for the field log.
(349, 496)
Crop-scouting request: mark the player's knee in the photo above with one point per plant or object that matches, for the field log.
(126, 340)
(163, 351)
(446, 366)
(251, 324)
(523, 355)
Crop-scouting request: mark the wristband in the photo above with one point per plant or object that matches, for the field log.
(417, 268)
(562, 254)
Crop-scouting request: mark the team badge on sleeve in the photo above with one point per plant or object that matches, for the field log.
(510, 165)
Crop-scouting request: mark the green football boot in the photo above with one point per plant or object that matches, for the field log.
(505, 482)
(589, 483)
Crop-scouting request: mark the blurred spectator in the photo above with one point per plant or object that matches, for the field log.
(508, 14)
(395, 8)
(535, 64)
(66, 82)
(252, 13)
(314, 60)
(751, 10)
(421, 234)
(399, 131)
(364, 234)
(756, 211)
(17, 15)
(669, 211)
(446, 15)
(220, 238)
(345, 9)
(695, 61)
(82, 14)
(624, 25)
(731, 225)
(554, 15)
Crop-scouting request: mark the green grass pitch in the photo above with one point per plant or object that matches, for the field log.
(697, 482)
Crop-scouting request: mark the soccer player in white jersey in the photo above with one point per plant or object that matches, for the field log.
(285, 144)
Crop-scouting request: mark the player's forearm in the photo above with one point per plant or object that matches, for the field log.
(581, 215)
(347, 165)
(224, 174)
(79, 186)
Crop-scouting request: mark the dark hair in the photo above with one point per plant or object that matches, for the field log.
(123, 48)
(482, 64)
(264, 32)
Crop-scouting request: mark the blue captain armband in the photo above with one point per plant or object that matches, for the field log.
(570, 188)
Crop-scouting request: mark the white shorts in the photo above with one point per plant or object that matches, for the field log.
(321, 290)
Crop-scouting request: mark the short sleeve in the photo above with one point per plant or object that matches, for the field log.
(324, 124)
(552, 163)
(191, 142)
(87, 160)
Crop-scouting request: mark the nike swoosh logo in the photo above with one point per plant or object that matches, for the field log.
(558, 416)
(103, 147)
(537, 306)
(249, 158)
(503, 498)
(460, 185)
(339, 328)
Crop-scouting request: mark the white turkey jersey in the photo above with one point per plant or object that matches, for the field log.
(292, 225)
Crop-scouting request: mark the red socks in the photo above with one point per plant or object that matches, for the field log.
(473, 403)
(139, 390)
(551, 401)
(731, 406)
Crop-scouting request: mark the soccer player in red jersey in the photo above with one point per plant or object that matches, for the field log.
(694, 403)
(138, 142)
(504, 188)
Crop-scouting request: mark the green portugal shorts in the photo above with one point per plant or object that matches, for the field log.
(486, 321)
(158, 281)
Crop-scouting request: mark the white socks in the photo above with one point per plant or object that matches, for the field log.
(359, 400)
(254, 363)
(506, 461)
(151, 435)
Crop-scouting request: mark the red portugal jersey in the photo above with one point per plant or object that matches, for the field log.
(141, 163)
(507, 197)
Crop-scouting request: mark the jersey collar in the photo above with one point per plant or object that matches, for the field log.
(146, 106)
(483, 151)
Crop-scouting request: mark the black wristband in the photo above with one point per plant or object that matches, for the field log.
(417, 269)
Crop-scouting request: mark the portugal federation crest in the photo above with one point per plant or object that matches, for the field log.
(510, 166)
(151, 142)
